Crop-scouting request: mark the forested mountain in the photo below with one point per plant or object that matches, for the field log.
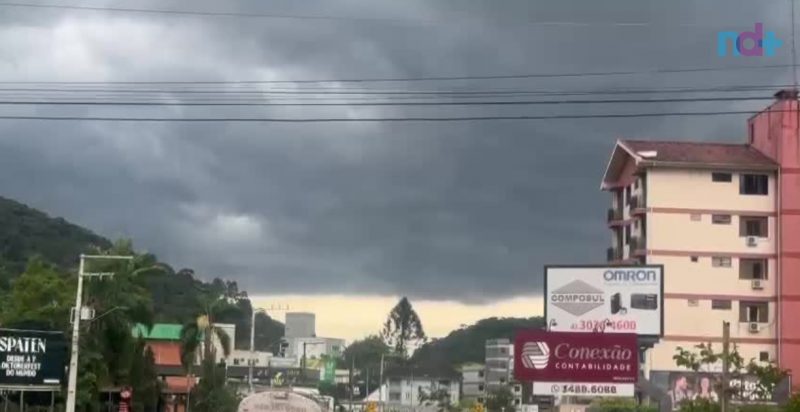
(467, 345)
(26, 232)
(175, 296)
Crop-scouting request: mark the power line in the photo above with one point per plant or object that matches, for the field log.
(370, 119)
(197, 13)
(416, 79)
(461, 103)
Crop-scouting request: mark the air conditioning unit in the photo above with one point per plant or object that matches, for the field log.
(757, 284)
(752, 327)
(752, 241)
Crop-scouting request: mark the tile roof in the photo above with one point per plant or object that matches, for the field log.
(700, 153)
(159, 331)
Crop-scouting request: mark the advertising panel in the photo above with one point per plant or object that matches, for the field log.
(609, 299)
(32, 357)
(686, 386)
(543, 356)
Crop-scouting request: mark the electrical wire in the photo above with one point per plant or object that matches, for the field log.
(424, 78)
(372, 119)
(461, 103)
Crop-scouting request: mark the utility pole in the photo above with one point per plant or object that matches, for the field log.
(72, 383)
(352, 365)
(380, 387)
(253, 339)
(726, 351)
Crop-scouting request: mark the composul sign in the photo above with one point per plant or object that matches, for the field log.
(576, 357)
(611, 299)
(31, 357)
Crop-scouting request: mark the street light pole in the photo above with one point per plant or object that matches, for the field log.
(72, 383)
(252, 346)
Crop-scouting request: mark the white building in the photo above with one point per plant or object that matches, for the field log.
(473, 382)
(300, 325)
(314, 348)
(411, 392)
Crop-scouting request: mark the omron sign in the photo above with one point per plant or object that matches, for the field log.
(575, 357)
(610, 299)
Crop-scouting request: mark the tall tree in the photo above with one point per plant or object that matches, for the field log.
(39, 298)
(403, 327)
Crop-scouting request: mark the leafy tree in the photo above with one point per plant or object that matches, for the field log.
(500, 400)
(403, 327)
(212, 394)
(144, 379)
(201, 334)
(39, 299)
(365, 355)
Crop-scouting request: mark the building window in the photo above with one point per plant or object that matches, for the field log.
(517, 388)
(636, 184)
(502, 380)
(721, 261)
(721, 219)
(627, 235)
(721, 177)
(763, 356)
(693, 302)
(480, 400)
(517, 402)
(757, 226)
(695, 217)
(753, 312)
(394, 396)
(752, 269)
(480, 374)
(694, 259)
(721, 304)
(753, 184)
(480, 388)
(627, 196)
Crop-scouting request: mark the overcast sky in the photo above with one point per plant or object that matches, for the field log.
(467, 211)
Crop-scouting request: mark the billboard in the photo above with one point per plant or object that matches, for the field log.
(32, 357)
(609, 299)
(543, 356)
(685, 386)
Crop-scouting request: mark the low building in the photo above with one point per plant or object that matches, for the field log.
(500, 369)
(258, 359)
(314, 348)
(417, 389)
(473, 382)
(164, 340)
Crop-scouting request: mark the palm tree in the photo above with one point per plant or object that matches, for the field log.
(402, 326)
(200, 334)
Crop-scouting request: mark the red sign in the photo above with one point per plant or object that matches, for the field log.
(576, 357)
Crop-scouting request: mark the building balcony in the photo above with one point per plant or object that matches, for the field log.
(613, 254)
(637, 246)
(614, 217)
(637, 205)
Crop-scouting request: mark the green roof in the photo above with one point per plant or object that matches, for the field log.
(159, 331)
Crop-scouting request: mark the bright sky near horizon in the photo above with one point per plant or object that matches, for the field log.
(354, 317)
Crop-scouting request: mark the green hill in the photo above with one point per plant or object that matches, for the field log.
(26, 233)
(467, 345)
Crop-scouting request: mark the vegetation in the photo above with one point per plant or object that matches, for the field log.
(500, 400)
(620, 405)
(467, 345)
(28, 233)
(403, 327)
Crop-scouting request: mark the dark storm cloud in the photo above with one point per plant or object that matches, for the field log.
(442, 210)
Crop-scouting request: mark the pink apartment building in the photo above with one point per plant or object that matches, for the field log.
(724, 220)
